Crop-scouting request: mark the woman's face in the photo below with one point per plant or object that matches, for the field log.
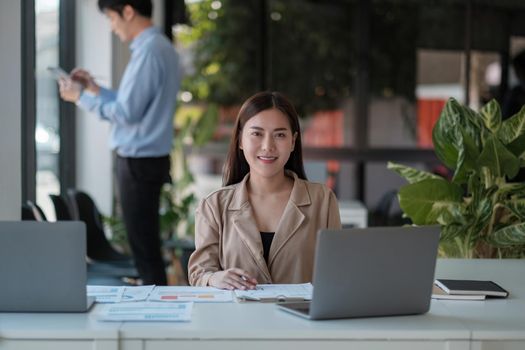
(267, 141)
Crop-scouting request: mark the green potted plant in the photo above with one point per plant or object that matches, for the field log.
(195, 127)
(481, 213)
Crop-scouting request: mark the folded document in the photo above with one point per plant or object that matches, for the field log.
(146, 311)
(195, 294)
(276, 293)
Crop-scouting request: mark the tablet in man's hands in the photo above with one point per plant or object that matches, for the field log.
(58, 73)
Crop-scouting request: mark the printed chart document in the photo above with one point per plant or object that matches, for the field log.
(139, 293)
(114, 294)
(105, 294)
(195, 294)
(276, 292)
(146, 311)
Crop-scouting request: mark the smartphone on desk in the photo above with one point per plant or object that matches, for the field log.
(58, 73)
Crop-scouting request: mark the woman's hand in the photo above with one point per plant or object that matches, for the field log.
(232, 279)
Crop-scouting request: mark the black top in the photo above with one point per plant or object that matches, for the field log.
(266, 238)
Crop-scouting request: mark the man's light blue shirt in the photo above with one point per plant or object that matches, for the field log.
(141, 110)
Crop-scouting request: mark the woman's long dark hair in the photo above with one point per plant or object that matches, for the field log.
(236, 166)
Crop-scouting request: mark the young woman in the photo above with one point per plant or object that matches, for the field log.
(262, 226)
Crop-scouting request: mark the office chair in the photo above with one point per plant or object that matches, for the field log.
(27, 213)
(99, 249)
(62, 210)
(38, 213)
(104, 261)
(380, 215)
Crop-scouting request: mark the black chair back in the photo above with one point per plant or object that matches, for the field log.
(38, 213)
(27, 213)
(62, 210)
(98, 247)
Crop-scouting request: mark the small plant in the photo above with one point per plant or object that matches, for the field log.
(195, 127)
(481, 213)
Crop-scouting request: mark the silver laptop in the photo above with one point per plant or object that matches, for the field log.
(380, 271)
(43, 267)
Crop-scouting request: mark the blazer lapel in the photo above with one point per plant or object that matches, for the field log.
(246, 227)
(292, 217)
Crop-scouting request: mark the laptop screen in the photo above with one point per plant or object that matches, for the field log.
(43, 266)
(376, 271)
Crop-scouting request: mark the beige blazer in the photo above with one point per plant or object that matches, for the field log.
(227, 236)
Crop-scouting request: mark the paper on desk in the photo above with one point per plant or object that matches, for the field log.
(277, 292)
(146, 311)
(114, 294)
(195, 294)
(105, 294)
(139, 293)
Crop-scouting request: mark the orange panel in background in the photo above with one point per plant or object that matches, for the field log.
(428, 111)
(326, 130)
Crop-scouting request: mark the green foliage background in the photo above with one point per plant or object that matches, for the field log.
(482, 214)
(310, 51)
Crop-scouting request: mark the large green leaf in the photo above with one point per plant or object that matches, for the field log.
(517, 207)
(517, 147)
(498, 158)
(457, 125)
(482, 214)
(449, 232)
(445, 138)
(412, 175)
(491, 116)
(447, 213)
(513, 127)
(420, 201)
(468, 155)
(470, 121)
(510, 235)
(511, 189)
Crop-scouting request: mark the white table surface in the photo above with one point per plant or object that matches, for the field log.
(493, 318)
(450, 324)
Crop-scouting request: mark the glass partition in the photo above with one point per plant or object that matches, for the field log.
(47, 137)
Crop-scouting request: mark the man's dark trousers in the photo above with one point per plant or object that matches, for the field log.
(140, 181)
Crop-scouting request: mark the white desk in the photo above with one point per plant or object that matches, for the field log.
(453, 325)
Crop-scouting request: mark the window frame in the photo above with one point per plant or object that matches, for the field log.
(67, 59)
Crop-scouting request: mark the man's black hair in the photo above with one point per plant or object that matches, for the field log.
(143, 7)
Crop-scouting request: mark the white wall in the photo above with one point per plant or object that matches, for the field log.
(94, 159)
(10, 110)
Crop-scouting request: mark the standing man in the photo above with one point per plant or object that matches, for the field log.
(141, 116)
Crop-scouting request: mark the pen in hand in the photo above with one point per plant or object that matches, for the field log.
(251, 281)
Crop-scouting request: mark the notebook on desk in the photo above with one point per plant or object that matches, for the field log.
(380, 271)
(43, 267)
